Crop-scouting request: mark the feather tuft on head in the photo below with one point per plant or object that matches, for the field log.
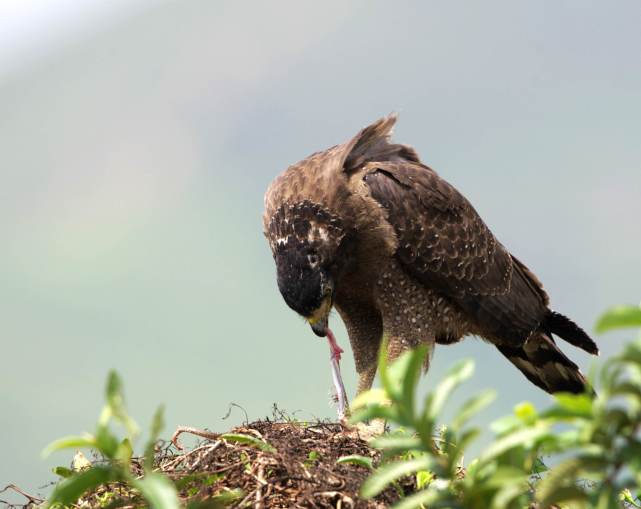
(373, 143)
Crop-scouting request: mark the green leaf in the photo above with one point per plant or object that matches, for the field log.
(504, 475)
(157, 490)
(508, 493)
(63, 472)
(579, 405)
(409, 379)
(418, 500)
(558, 477)
(125, 451)
(618, 418)
(228, 496)
(106, 442)
(516, 439)
(68, 491)
(374, 412)
(564, 440)
(383, 371)
(423, 478)
(390, 472)
(611, 371)
(560, 414)
(356, 459)
(116, 403)
(631, 353)
(505, 424)
(200, 478)
(471, 407)
(70, 442)
(526, 412)
(157, 425)
(396, 444)
(397, 371)
(607, 499)
(466, 438)
(114, 394)
(565, 494)
(210, 503)
(631, 454)
(456, 375)
(539, 467)
(375, 396)
(619, 317)
(248, 440)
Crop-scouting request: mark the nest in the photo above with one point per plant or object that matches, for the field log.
(300, 472)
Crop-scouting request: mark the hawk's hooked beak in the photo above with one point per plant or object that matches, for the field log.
(320, 327)
(318, 319)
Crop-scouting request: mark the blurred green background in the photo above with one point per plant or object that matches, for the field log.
(137, 139)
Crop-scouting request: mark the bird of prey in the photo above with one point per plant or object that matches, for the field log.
(367, 228)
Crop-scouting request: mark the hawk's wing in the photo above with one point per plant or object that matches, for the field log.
(445, 245)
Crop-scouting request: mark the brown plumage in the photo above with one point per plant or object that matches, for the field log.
(369, 229)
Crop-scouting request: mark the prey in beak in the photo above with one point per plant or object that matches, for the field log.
(318, 322)
(319, 318)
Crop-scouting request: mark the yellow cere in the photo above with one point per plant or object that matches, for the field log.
(321, 312)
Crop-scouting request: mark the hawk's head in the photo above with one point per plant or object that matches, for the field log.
(309, 221)
(305, 241)
(306, 286)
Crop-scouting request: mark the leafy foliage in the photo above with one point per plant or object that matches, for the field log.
(155, 488)
(356, 459)
(619, 317)
(591, 445)
(593, 442)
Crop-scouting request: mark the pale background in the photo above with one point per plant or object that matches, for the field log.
(137, 139)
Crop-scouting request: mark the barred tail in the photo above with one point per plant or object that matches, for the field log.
(547, 367)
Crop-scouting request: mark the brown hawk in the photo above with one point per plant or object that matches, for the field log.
(367, 228)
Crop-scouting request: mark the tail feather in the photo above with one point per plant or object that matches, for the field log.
(562, 326)
(547, 367)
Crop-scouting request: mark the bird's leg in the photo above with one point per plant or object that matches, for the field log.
(365, 330)
(366, 379)
(366, 374)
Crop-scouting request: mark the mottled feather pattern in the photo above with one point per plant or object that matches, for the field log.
(440, 235)
(411, 259)
(304, 223)
(446, 245)
(307, 180)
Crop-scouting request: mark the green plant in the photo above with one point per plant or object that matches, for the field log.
(312, 458)
(593, 442)
(158, 491)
